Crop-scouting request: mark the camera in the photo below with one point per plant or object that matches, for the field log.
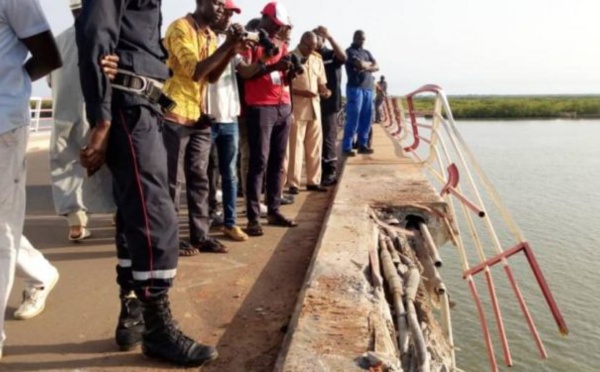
(261, 37)
(297, 63)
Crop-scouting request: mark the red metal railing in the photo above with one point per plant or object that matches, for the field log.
(433, 140)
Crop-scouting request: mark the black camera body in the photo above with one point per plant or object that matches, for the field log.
(270, 48)
(297, 63)
(261, 37)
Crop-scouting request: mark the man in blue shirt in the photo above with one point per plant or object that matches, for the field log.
(359, 96)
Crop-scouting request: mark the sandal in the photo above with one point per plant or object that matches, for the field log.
(211, 245)
(254, 229)
(278, 219)
(187, 250)
(85, 233)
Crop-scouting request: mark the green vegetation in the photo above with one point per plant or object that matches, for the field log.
(519, 107)
(503, 107)
(46, 105)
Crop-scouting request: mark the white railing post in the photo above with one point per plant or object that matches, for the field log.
(36, 113)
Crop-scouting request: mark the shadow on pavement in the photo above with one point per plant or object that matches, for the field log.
(253, 339)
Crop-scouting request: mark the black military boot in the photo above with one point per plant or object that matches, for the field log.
(129, 330)
(163, 340)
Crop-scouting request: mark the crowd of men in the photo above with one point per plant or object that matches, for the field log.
(153, 109)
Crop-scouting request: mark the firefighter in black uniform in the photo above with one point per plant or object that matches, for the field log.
(125, 115)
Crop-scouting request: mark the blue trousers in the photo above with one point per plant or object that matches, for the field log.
(226, 137)
(359, 114)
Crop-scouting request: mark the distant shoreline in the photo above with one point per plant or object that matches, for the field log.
(507, 107)
(520, 107)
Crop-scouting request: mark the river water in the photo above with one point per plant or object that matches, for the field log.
(548, 174)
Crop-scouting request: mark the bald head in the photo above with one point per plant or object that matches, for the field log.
(308, 43)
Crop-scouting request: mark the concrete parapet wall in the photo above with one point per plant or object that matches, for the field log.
(338, 317)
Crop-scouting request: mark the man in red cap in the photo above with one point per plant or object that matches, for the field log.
(230, 5)
(268, 118)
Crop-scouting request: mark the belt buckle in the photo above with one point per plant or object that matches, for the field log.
(129, 76)
(150, 90)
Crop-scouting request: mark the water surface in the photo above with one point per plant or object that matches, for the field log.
(548, 174)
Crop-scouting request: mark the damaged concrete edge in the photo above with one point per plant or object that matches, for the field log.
(332, 323)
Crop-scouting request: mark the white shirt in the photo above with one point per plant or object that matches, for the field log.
(19, 19)
(223, 98)
(66, 86)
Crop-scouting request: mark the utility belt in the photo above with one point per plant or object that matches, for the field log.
(146, 87)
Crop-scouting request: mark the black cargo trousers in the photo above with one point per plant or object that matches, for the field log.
(146, 232)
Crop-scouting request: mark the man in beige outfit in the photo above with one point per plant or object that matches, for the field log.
(306, 136)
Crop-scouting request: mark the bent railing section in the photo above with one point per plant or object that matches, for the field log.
(428, 133)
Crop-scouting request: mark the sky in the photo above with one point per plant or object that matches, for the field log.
(465, 46)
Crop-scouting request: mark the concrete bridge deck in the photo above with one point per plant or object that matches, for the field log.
(242, 302)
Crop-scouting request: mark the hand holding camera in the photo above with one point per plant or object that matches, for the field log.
(296, 65)
(235, 34)
(284, 65)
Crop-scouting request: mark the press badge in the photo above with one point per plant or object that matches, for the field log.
(276, 77)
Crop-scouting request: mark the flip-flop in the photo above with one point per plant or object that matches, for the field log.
(189, 252)
(254, 229)
(85, 233)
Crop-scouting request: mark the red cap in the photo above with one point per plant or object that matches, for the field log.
(230, 5)
(277, 13)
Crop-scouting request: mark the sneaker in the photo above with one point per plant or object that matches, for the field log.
(34, 300)
(235, 233)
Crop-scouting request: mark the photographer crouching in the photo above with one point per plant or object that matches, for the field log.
(195, 61)
(268, 118)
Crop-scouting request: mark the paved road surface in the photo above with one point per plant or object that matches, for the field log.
(240, 302)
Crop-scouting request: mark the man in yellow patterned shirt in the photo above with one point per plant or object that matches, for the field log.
(194, 61)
